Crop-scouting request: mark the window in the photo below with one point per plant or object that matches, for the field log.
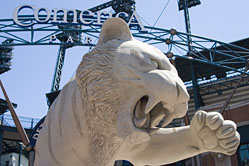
(244, 155)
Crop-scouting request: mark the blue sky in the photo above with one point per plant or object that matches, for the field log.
(33, 66)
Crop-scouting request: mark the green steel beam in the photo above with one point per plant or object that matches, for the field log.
(40, 34)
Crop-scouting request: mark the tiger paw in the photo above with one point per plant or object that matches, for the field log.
(215, 134)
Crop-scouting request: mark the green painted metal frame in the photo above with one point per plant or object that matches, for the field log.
(39, 34)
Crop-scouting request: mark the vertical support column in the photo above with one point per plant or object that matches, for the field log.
(1, 142)
(2, 119)
(221, 159)
(190, 49)
(32, 123)
(58, 68)
(195, 86)
(195, 160)
(20, 154)
(187, 24)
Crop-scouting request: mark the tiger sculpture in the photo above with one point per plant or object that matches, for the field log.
(110, 110)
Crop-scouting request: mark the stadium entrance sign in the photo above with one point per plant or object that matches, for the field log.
(71, 16)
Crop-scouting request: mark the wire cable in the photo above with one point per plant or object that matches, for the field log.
(161, 13)
(144, 20)
(165, 6)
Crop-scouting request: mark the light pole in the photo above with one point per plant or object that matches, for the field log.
(184, 5)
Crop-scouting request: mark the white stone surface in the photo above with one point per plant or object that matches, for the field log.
(122, 89)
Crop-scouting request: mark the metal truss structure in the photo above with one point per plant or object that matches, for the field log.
(220, 55)
(220, 86)
(205, 50)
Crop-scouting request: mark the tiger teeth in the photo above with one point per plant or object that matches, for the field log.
(156, 115)
(147, 123)
(139, 122)
(140, 117)
(155, 121)
(168, 118)
(152, 102)
(149, 112)
(140, 108)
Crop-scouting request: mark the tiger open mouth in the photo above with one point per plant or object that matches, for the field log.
(147, 117)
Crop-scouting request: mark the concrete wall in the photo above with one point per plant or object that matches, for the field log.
(13, 160)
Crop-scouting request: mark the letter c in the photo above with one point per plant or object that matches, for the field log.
(17, 10)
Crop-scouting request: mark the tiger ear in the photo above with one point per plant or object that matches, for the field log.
(114, 28)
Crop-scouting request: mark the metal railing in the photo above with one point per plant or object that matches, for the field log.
(27, 123)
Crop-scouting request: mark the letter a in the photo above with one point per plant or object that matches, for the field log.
(137, 22)
(70, 40)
